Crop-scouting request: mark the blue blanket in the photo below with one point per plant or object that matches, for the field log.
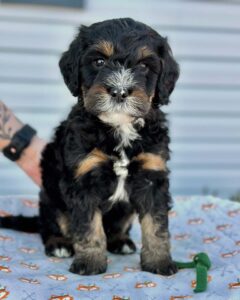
(197, 224)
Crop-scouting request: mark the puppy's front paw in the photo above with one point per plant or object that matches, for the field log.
(88, 265)
(164, 267)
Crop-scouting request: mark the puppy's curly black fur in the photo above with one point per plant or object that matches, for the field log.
(107, 160)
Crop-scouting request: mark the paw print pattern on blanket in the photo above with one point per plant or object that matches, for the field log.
(212, 227)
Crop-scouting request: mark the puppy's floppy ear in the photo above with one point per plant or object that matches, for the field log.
(169, 73)
(70, 64)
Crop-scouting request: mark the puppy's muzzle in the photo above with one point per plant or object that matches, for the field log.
(117, 91)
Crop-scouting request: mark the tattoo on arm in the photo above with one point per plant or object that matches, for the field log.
(5, 129)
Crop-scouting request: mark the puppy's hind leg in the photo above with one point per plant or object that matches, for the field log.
(117, 224)
(52, 230)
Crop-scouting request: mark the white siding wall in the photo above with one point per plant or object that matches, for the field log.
(205, 109)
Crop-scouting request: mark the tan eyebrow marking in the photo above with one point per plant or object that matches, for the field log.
(144, 52)
(105, 47)
(93, 160)
(151, 161)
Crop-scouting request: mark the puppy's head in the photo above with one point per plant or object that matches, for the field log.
(119, 66)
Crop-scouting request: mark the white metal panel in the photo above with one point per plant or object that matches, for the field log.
(181, 14)
(29, 67)
(205, 127)
(198, 151)
(204, 43)
(55, 38)
(206, 102)
(204, 114)
(210, 73)
(34, 97)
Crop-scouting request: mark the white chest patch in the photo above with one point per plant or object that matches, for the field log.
(125, 132)
(120, 169)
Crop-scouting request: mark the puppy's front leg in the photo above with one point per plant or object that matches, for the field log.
(155, 254)
(86, 197)
(89, 244)
(150, 196)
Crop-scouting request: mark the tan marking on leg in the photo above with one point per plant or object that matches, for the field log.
(128, 222)
(90, 250)
(95, 237)
(63, 222)
(97, 234)
(155, 244)
(151, 98)
(124, 225)
(93, 160)
(105, 47)
(151, 161)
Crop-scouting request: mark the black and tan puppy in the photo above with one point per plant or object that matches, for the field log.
(107, 160)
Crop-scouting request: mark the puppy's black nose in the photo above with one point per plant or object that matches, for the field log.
(119, 94)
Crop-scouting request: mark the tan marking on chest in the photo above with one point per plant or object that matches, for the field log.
(93, 160)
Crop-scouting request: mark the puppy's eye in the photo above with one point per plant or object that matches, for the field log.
(99, 62)
(143, 66)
